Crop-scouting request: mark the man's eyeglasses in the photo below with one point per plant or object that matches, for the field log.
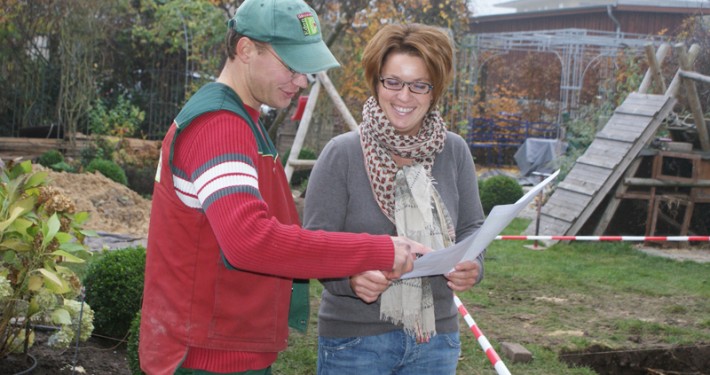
(415, 87)
(294, 73)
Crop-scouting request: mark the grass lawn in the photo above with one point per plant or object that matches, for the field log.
(569, 297)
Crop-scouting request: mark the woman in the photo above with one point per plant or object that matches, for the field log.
(402, 173)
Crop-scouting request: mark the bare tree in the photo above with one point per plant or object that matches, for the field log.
(80, 35)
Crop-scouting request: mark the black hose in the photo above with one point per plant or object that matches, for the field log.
(29, 370)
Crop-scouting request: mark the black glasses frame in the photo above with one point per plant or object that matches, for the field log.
(386, 83)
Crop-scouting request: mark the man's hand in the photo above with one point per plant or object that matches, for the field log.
(464, 276)
(369, 285)
(405, 252)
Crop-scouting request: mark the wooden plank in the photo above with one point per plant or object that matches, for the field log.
(641, 104)
(30, 148)
(629, 123)
(609, 148)
(625, 136)
(585, 182)
(599, 161)
(566, 204)
(550, 225)
(622, 129)
(627, 119)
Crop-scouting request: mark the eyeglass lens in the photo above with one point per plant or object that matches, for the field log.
(415, 87)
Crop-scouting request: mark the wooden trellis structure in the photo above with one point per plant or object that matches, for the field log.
(607, 171)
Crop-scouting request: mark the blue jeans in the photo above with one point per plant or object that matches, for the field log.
(392, 353)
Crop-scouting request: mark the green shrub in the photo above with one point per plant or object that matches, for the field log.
(109, 169)
(99, 148)
(132, 347)
(114, 287)
(498, 190)
(63, 166)
(50, 158)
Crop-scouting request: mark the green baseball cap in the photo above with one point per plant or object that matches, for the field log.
(291, 27)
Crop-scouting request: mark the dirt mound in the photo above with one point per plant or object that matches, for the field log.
(112, 207)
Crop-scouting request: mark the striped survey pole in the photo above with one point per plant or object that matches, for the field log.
(609, 238)
(482, 340)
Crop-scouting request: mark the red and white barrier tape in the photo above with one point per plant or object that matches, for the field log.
(500, 367)
(609, 238)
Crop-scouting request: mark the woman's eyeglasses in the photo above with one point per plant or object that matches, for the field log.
(415, 87)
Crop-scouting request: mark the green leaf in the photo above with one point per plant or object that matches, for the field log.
(54, 282)
(72, 247)
(21, 225)
(69, 258)
(15, 212)
(9, 257)
(50, 231)
(63, 237)
(61, 316)
(81, 217)
(33, 308)
(36, 179)
(89, 233)
(35, 283)
(15, 244)
(23, 168)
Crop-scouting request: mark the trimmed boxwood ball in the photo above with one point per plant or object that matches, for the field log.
(49, 158)
(132, 346)
(498, 190)
(109, 169)
(114, 289)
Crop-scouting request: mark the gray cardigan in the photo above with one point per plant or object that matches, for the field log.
(339, 198)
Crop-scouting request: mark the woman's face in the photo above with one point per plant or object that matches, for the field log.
(404, 109)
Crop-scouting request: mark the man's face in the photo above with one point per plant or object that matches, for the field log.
(272, 82)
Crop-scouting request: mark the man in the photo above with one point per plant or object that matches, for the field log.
(224, 241)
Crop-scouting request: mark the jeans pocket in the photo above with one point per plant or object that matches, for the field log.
(338, 343)
(453, 340)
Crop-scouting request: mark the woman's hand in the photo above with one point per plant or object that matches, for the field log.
(464, 276)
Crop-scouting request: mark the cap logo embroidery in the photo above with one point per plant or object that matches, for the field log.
(308, 24)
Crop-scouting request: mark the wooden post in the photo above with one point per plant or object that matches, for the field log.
(337, 100)
(302, 130)
(653, 74)
(321, 80)
(674, 87)
(693, 100)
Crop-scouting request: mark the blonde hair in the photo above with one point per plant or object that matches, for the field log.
(430, 43)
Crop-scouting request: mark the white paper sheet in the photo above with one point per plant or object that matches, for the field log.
(443, 261)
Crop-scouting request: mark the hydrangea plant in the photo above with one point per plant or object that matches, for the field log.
(40, 233)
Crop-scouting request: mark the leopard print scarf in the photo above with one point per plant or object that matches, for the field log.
(379, 141)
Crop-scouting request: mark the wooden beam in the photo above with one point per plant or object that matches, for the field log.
(693, 100)
(638, 181)
(674, 86)
(615, 200)
(653, 73)
(695, 76)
